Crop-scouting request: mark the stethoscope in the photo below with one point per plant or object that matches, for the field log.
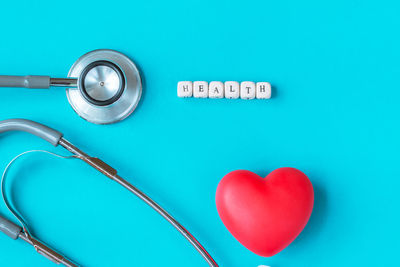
(56, 138)
(103, 86)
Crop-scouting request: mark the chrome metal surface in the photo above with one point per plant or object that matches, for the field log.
(23, 237)
(102, 83)
(96, 163)
(50, 253)
(54, 253)
(63, 82)
(111, 173)
(120, 108)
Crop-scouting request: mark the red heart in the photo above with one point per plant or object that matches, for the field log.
(265, 214)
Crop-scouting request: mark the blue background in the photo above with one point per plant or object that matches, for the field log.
(334, 115)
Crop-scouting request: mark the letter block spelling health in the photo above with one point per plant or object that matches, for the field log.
(229, 89)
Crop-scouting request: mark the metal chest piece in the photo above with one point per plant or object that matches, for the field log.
(108, 88)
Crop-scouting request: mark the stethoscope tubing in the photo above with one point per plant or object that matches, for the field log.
(36, 81)
(56, 138)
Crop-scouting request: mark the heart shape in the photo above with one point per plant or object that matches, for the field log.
(265, 214)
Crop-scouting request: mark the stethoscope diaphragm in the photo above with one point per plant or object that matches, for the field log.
(109, 86)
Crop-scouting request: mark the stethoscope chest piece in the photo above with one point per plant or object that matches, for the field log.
(108, 87)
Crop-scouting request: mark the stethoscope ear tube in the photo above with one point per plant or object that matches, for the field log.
(22, 232)
(50, 135)
(15, 231)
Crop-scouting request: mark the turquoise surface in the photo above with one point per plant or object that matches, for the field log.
(334, 115)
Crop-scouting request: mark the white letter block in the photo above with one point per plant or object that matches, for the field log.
(247, 90)
(263, 90)
(232, 90)
(216, 90)
(185, 89)
(200, 89)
